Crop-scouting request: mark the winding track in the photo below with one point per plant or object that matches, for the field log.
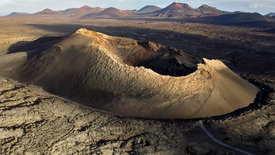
(203, 128)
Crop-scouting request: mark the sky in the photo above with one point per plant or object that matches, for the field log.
(31, 6)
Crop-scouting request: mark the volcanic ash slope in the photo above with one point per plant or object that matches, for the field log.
(131, 78)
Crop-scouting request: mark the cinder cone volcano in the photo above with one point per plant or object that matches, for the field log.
(131, 78)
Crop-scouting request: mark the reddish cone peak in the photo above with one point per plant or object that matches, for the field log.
(47, 10)
(180, 5)
(85, 7)
(112, 10)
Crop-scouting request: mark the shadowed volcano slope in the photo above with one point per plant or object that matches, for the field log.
(132, 78)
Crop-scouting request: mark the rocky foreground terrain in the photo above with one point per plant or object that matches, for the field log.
(35, 122)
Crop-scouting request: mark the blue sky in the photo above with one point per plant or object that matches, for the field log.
(31, 6)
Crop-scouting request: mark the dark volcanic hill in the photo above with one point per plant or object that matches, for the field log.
(242, 17)
(271, 14)
(18, 14)
(148, 9)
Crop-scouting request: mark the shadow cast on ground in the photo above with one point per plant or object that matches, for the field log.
(242, 57)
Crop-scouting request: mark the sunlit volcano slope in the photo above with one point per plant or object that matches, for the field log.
(129, 77)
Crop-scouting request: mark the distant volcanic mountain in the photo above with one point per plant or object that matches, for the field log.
(82, 11)
(241, 17)
(203, 14)
(72, 12)
(210, 11)
(148, 9)
(129, 77)
(181, 10)
(48, 12)
(18, 14)
(271, 14)
(109, 13)
(175, 10)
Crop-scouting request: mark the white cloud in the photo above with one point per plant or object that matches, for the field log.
(257, 5)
